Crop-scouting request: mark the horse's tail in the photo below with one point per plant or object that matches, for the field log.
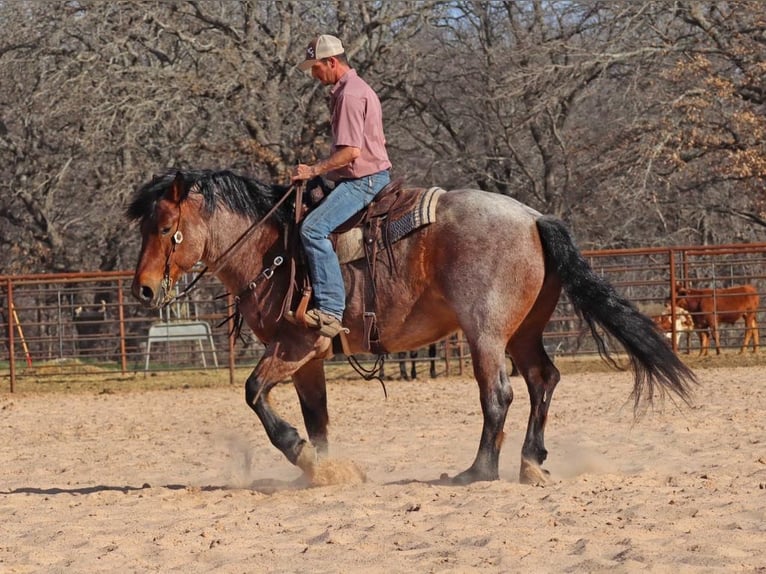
(654, 363)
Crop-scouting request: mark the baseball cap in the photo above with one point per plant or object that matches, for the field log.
(322, 46)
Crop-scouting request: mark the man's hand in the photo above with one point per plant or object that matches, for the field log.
(302, 172)
(344, 155)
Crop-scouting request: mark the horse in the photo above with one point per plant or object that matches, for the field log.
(412, 374)
(488, 265)
(91, 325)
(711, 307)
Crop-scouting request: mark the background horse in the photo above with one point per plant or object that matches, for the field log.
(489, 266)
(710, 307)
(412, 373)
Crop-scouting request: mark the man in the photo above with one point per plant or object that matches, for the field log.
(358, 164)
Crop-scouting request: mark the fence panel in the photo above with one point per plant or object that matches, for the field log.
(78, 324)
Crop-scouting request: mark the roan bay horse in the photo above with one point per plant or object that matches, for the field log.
(489, 266)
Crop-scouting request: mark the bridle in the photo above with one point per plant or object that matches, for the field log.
(175, 240)
(224, 257)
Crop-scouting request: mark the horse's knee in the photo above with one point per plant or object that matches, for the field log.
(252, 389)
(256, 392)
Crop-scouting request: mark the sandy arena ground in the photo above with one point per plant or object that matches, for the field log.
(186, 481)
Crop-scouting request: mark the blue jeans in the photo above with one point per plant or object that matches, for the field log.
(348, 197)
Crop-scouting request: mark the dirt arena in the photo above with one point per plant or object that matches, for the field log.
(185, 481)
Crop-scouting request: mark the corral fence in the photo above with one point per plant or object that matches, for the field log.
(79, 324)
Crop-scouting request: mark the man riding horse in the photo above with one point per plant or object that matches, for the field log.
(358, 164)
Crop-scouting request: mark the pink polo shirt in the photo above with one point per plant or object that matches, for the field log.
(357, 120)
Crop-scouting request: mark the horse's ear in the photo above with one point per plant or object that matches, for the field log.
(178, 189)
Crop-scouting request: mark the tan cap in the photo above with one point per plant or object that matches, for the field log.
(321, 47)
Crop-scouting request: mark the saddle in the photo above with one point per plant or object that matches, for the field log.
(394, 213)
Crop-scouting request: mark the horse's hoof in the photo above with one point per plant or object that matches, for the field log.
(307, 459)
(462, 479)
(329, 472)
(471, 475)
(532, 473)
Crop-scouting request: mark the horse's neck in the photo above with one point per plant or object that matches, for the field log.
(236, 260)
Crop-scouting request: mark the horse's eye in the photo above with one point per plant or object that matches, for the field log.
(165, 230)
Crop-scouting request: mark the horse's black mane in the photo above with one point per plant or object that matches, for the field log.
(237, 192)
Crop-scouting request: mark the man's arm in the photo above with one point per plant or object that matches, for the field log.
(342, 157)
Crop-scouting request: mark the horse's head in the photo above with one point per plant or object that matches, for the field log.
(172, 237)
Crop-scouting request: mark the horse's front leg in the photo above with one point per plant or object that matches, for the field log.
(311, 387)
(278, 363)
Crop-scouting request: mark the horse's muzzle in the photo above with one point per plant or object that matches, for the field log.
(146, 295)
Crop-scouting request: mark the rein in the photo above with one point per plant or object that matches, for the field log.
(369, 374)
(225, 256)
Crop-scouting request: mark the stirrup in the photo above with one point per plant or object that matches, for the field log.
(326, 324)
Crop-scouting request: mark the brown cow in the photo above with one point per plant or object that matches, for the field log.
(683, 324)
(710, 307)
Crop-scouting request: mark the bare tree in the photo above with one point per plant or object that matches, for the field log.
(577, 108)
(639, 122)
(105, 94)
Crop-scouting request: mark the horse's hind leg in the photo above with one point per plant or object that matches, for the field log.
(496, 395)
(541, 377)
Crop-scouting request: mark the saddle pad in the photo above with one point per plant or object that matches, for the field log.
(350, 245)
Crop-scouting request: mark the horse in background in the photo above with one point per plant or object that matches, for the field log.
(488, 266)
(412, 374)
(709, 308)
(90, 323)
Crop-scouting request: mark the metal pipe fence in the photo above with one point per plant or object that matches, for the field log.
(81, 324)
